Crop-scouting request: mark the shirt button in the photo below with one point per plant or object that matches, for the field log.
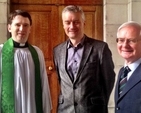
(117, 108)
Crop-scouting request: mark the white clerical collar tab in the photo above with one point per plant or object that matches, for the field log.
(22, 44)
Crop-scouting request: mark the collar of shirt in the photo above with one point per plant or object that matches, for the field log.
(133, 67)
(79, 45)
(19, 45)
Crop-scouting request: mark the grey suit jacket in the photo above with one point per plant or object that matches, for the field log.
(130, 99)
(90, 91)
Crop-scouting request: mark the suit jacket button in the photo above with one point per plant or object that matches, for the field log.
(74, 87)
(75, 104)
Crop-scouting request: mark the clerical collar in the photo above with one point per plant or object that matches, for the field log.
(20, 45)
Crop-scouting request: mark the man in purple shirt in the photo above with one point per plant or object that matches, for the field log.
(84, 67)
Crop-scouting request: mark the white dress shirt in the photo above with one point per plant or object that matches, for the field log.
(133, 67)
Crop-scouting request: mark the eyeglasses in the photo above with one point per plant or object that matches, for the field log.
(129, 41)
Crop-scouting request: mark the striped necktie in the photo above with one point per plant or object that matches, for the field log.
(123, 79)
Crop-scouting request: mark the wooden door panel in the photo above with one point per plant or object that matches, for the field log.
(59, 2)
(83, 2)
(94, 21)
(39, 2)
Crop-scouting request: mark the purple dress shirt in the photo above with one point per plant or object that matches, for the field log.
(74, 55)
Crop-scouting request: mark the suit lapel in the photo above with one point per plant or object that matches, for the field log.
(133, 80)
(86, 54)
(63, 58)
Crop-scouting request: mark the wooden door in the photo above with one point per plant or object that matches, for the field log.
(47, 30)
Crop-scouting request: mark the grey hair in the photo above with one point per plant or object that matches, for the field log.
(130, 23)
(75, 9)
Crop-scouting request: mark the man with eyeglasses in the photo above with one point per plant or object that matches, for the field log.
(128, 87)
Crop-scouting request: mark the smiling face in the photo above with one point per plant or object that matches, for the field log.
(73, 24)
(20, 28)
(130, 51)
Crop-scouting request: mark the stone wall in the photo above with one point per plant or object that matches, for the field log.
(4, 10)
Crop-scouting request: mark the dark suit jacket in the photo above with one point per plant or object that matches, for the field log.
(90, 91)
(130, 99)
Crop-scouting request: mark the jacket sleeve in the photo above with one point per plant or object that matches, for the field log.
(107, 70)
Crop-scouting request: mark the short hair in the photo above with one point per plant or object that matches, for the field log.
(130, 23)
(74, 8)
(19, 12)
